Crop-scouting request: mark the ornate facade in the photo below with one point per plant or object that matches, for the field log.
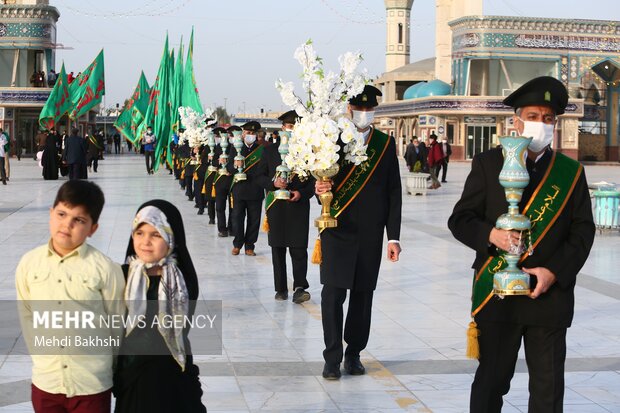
(493, 55)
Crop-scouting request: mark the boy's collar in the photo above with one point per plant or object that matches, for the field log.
(80, 251)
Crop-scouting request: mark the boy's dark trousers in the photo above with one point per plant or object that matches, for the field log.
(149, 157)
(199, 197)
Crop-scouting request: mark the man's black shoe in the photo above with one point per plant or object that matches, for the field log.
(331, 371)
(201, 211)
(300, 295)
(222, 234)
(281, 295)
(353, 365)
(211, 222)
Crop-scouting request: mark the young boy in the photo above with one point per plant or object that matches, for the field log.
(69, 270)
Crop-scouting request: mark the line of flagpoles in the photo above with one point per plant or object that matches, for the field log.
(157, 105)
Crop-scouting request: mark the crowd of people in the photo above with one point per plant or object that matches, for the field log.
(234, 185)
(431, 157)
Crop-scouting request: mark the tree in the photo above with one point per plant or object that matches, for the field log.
(222, 115)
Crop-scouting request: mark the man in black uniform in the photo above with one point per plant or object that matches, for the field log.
(562, 236)
(287, 220)
(372, 202)
(247, 195)
(221, 183)
(211, 173)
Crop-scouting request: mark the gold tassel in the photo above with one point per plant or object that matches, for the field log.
(265, 224)
(473, 349)
(317, 255)
(204, 189)
(183, 174)
(213, 191)
(195, 176)
(232, 202)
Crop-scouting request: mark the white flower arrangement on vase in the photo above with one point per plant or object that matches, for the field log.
(314, 142)
(196, 126)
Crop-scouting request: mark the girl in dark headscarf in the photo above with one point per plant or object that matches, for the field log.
(49, 159)
(161, 280)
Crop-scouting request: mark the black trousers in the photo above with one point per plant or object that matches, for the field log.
(199, 197)
(189, 181)
(2, 170)
(75, 170)
(443, 166)
(545, 353)
(221, 203)
(117, 147)
(299, 258)
(94, 162)
(149, 158)
(246, 236)
(210, 207)
(357, 325)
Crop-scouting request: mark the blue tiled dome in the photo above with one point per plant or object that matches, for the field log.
(412, 91)
(433, 88)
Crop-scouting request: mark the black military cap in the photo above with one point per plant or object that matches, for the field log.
(543, 91)
(289, 117)
(233, 128)
(181, 129)
(219, 129)
(368, 97)
(251, 126)
(433, 136)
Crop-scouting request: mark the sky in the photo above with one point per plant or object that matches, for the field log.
(242, 46)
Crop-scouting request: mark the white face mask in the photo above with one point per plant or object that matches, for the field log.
(541, 134)
(250, 139)
(362, 119)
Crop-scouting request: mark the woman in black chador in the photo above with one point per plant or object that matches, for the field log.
(49, 159)
(155, 370)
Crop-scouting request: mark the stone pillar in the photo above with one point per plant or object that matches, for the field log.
(398, 15)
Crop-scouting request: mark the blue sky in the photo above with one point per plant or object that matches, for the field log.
(243, 46)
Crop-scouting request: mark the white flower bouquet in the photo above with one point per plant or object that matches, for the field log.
(314, 142)
(196, 127)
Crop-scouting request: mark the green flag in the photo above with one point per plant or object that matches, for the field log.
(139, 99)
(177, 89)
(58, 103)
(190, 95)
(89, 88)
(158, 112)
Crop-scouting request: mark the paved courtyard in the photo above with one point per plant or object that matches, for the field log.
(271, 357)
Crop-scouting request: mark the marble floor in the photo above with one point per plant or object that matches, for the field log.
(271, 358)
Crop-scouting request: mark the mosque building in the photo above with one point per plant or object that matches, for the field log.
(481, 59)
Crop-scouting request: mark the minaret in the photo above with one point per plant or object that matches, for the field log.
(398, 13)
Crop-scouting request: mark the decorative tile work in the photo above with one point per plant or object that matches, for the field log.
(21, 97)
(535, 41)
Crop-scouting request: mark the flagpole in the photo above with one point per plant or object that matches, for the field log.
(105, 127)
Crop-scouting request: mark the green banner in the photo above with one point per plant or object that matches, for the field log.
(88, 88)
(545, 206)
(190, 97)
(58, 103)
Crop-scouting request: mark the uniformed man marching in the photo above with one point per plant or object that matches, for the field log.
(287, 220)
(222, 182)
(371, 198)
(247, 195)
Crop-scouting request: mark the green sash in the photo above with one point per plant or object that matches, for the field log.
(270, 199)
(251, 159)
(359, 175)
(544, 207)
(93, 140)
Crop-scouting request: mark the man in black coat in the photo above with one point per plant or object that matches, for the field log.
(221, 184)
(247, 195)
(288, 220)
(351, 252)
(415, 153)
(540, 319)
(446, 148)
(75, 151)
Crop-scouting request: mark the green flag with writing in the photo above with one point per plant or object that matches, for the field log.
(88, 88)
(58, 103)
(139, 99)
(177, 89)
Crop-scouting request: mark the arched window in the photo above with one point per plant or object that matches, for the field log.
(400, 33)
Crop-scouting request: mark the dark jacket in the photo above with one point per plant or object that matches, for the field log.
(222, 182)
(75, 149)
(288, 221)
(352, 251)
(563, 250)
(412, 156)
(250, 189)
